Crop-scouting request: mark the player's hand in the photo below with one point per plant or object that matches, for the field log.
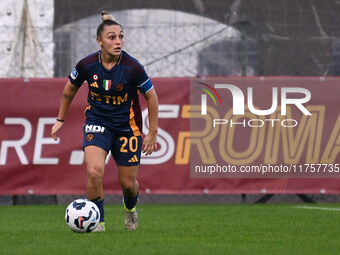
(55, 129)
(150, 143)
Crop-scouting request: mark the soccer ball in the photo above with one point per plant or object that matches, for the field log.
(82, 215)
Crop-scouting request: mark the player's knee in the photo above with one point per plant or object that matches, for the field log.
(127, 186)
(95, 174)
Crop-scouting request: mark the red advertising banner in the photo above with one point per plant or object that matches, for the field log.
(31, 162)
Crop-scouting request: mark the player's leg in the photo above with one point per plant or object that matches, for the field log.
(95, 167)
(127, 152)
(97, 142)
(127, 176)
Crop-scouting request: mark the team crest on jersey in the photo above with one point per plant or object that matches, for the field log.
(95, 77)
(107, 84)
(89, 137)
(119, 87)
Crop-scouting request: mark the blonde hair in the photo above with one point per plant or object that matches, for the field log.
(107, 16)
(107, 20)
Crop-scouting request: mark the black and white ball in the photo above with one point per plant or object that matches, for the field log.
(82, 215)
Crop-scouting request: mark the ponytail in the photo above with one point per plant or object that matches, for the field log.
(107, 20)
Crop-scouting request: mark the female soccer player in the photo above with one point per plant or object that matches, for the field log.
(113, 117)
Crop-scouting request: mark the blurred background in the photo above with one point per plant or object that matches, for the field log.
(176, 38)
(173, 39)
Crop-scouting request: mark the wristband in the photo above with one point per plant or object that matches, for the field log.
(60, 120)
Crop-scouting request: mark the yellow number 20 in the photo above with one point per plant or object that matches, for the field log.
(133, 144)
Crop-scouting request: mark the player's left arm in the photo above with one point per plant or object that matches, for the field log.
(150, 140)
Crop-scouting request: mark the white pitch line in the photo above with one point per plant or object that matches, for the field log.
(318, 208)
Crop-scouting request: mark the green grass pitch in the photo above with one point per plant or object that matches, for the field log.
(177, 229)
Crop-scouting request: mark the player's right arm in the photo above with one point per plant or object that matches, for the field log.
(69, 92)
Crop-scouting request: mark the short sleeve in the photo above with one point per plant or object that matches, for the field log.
(144, 84)
(77, 76)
